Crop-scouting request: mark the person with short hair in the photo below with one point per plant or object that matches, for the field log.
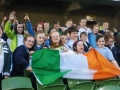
(105, 26)
(82, 27)
(92, 36)
(73, 33)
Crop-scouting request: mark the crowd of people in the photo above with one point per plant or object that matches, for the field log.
(18, 41)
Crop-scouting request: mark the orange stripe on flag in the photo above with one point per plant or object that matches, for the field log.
(105, 69)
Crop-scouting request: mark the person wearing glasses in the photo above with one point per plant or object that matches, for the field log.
(21, 57)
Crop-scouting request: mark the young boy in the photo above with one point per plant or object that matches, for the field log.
(58, 28)
(92, 36)
(83, 27)
(68, 24)
(73, 33)
(46, 27)
(105, 27)
(84, 37)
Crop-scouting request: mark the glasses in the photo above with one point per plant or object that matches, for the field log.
(30, 41)
(55, 36)
(111, 41)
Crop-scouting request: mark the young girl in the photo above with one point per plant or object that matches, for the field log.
(17, 35)
(64, 41)
(104, 50)
(78, 47)
(38, 26)
(56, 42)
(110, 44)
(40, 41)
(21, 57)
(5, 58)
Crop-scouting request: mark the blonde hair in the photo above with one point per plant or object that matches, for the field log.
(96, 25)
(37, 33)
(109, 33)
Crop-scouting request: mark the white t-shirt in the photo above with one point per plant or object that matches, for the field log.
(20, 39)
(1, 58)
(70, 44)
(83, 30)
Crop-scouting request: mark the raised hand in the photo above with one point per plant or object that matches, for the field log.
(5, 18)
(29, 69)
(85, 27)
(15, 20)
(26, 17)
(12, 15)
(114, 29)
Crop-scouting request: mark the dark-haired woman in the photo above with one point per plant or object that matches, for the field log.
(17, 35)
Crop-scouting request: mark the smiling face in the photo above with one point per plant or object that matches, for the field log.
(39, 28)
(55, 37)
(20, 28)
(101, 42)
(40, 38)
(46, 26)
(73, 35)
(29, 42)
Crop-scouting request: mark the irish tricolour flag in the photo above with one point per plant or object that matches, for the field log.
(49, 65)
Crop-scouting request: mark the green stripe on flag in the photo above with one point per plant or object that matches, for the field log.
(46, 65)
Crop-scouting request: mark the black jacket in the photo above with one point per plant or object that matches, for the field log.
(86, 48)
(20, 59)
(116, 53)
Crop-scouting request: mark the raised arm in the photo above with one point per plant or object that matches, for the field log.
(3, 21)
(7, 29)
(29, 25)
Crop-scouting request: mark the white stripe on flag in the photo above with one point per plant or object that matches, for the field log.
(77, 64)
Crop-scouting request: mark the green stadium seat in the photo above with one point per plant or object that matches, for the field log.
(57, 85)
(22, 89)
(54, 87)
(80, 84)
(114, 82)
(99, 83)
(108, 88)
(16, 83)
(26, 73)
(85, 86)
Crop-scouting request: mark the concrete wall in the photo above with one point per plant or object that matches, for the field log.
(51, 14)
